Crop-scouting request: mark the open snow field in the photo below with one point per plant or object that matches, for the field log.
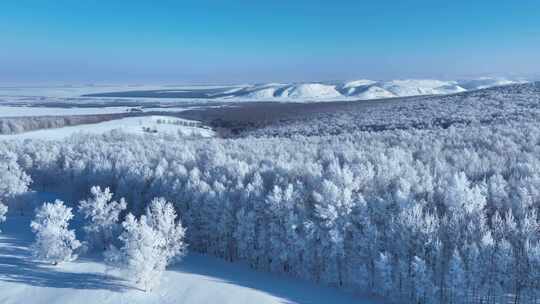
(78, 90)
(163, 125)
(197, 279)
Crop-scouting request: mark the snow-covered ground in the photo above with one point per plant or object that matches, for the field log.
(133, 125)
(197, 279)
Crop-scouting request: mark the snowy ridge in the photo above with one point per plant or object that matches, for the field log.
(363, 89)
(403, 88)
(487, 82)
(312, 90)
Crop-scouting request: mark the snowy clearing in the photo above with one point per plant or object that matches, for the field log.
(132, 125)
(197, 279)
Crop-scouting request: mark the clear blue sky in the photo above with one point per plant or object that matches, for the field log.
(277, 40)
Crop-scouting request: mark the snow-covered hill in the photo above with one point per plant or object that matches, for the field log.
(410, 87)
(311, 90)
(372, 92)
(486, 82)
(362, 89)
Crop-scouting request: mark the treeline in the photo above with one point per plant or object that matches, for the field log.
(14, 125)
(433, 216)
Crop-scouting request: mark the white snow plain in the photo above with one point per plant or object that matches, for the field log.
(198, 279)
(67, 91)
(27, 111)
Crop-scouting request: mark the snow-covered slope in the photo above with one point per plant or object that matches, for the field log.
(487, 82)
(357, 83)
(143, 125)
(264, 93)
(412, 87)
(292, 91)
(372, 92)
(198, 279)
(311, 90)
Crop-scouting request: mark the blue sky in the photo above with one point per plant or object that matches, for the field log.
(256, 41)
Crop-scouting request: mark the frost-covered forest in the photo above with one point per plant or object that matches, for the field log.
(430, 213)
(482, 107)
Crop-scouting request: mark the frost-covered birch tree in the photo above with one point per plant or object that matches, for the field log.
(101, 214)
(54, 242)
(149, 244)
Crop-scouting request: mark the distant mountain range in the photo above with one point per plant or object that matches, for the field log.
(363, 89)
(321, 91)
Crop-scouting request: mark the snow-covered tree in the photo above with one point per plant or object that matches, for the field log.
(101, 215)
(162, 218)
(3, 212)
(149, 244)
(533, 279)
(384, 286)
(456, 279)
(425, 290)
(460, 194)
(54, 242)
(141, 254)
(13, 180)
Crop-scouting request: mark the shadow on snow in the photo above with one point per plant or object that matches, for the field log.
(288, 289)
(18, 266)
